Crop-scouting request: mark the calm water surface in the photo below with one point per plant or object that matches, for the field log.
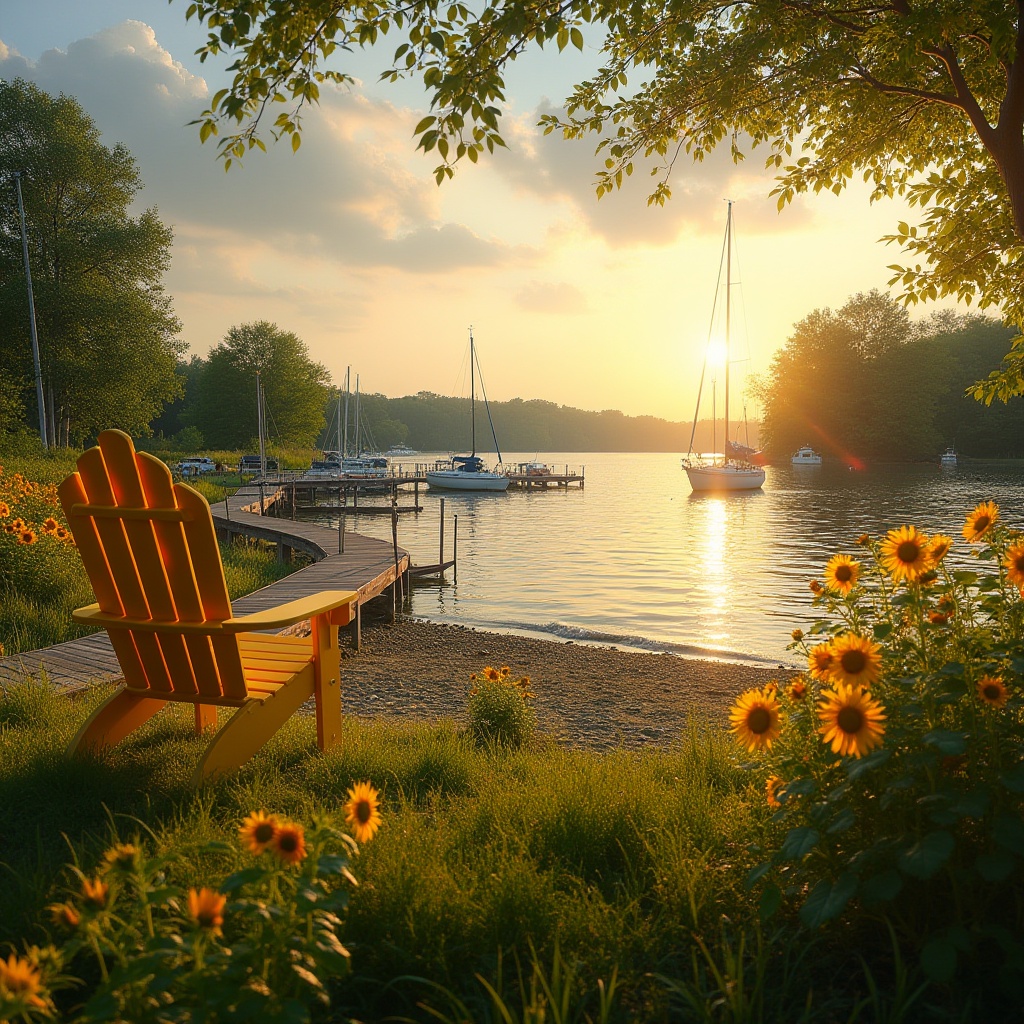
(636, 559)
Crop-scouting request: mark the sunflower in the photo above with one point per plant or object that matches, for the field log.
(21, 980)
(121, 857)
(816, 587)
(851, 720)
(258, 831)
(797, 635)
(492, 674)
(981, 520)
(755, 719)
(65, 915)
(841, 574)
(5, 510)
(855, 659)
(206, 908)
(772, 789)
(361, 811)
(797, 689)
(939, 547)
(289, 843)
(50, 525)
(937, 618)
(819, 658)
(27, 537)
(1014, 562)
(863, 540)
(95, 892)
(905, 553)
(992, 690)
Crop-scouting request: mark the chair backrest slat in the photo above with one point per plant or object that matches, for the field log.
(151, 552)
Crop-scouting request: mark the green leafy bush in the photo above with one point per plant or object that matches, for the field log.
(895, 766)
(499, 708)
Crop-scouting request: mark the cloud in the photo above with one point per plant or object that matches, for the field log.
(565, 170)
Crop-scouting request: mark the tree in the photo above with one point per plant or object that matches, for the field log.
(921, 99)
(107, 334)
(296, 388)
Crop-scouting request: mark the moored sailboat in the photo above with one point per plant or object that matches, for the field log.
(733, 471)
(469, 472)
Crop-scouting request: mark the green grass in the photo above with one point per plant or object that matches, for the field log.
(622, 861)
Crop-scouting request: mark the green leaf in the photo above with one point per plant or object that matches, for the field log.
(842, 821)
(946, 742)
(861, 766)
(755, 875)
(1008, 832)
(827, 900)
(798, 843)
(424, 124)
(996, 866)
(1013, 779)
(883, 887)
(927, 856)
(769, 903)
(235, 882)
(938, 959)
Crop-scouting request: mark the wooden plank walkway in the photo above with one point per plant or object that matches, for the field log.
(368, 567)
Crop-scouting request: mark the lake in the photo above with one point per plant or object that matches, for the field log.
(637, 560)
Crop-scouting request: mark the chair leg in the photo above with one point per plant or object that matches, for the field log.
(327, 669)
(115, 718)
(206, 718)
(251, 726)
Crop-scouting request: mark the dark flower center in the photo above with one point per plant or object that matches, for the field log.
(992, 692)
(1018, 563)
(908, 552)
(759, 721)
(850, 720)
(854, 661)
(363, 811)
(981, 524)
(263, 832)
(288, 842)
(208, 918)
(844, 573)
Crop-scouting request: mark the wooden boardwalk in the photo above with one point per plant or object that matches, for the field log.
(368, 566)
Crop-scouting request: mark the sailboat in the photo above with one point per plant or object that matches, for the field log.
(468, 472)
(733, 471)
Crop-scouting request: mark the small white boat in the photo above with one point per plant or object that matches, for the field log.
(948, 457)
(806, 456)
(732, 476)
(400, 451)
(468, 472)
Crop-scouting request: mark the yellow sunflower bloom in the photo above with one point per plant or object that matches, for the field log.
(797, 689)
(755, 719)
(492, 674)
(65, 915)
(5, 510)
(27, 537)
(94, 892)
(772, 788)
(1014, 562)
(905, 554)
(851, 720)
(841, 574)
(981, 520)
(992, 690)
(257, 831)
(122, 857)
(206, 908)
(50, 525)
(819, 658)
(20, 979)
(855, 660)
(289, 843)
(939, 547)
(361, 811)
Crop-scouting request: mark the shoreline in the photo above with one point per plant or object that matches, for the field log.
(587, 695)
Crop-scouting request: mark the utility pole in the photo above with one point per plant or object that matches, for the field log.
(18, 175)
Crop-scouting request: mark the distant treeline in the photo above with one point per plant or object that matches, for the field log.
(867, 382)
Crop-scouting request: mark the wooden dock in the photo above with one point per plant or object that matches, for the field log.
(369, 567)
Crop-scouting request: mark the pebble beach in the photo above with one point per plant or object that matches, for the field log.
(586, 696)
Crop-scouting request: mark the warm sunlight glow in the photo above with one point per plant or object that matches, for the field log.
(716, 353)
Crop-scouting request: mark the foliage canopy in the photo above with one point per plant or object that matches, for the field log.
(924, 100)
(107, 334)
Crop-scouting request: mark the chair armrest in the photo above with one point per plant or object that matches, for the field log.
(340, 604)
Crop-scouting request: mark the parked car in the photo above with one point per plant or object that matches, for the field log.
(251, 464)
(196, 466)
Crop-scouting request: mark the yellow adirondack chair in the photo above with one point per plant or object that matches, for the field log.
(150, 549)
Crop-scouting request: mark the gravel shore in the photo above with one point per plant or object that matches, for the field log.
(585, 695)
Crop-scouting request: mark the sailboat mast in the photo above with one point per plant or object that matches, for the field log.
(358, 450)
(472, 387)
(728, 312)
(344, 437)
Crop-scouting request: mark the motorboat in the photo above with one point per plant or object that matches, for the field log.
(806, 456)
(948, 457)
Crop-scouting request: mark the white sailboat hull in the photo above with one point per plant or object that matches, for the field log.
(456, 480)
(725, 478)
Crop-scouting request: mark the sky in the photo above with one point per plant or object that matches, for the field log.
(350, 244)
